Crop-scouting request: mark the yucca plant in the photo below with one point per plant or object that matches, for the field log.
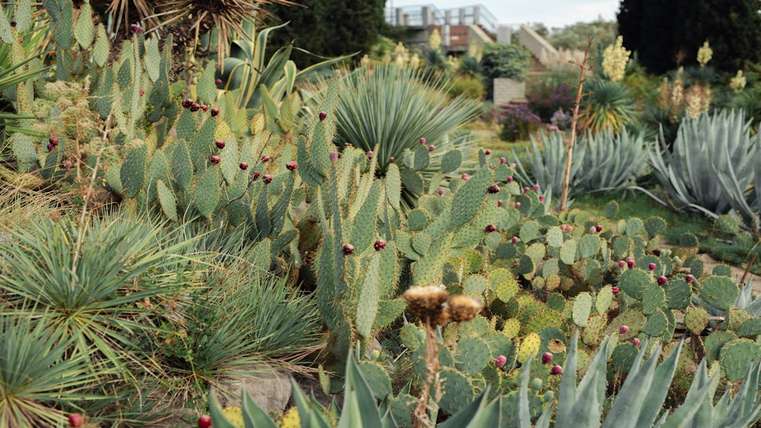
(91, 282)
(37, 375)
(395, 111)
(223, 17)
(706, 149)
(611, 161)
(247, 322)
(607, 106)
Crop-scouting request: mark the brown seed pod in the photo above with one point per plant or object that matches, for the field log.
(426, 302)
(464, 308)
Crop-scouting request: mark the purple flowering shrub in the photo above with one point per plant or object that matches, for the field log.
(518, 121)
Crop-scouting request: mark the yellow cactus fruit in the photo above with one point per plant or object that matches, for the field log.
(290, 419)
(234, 415)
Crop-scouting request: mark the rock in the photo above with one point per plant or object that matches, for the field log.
(270, 390)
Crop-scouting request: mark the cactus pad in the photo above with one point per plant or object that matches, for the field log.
(593, 332)
(678, 293)
(568, 252)
(457, 390)
(750, 328)
(719, 291)
(474, 285)
(503, 284)
(632, 318)
(634, 281)
(529, 347)
(715, 341)
(511, 328)
(377, 378)
(737, 355)
(604, 299)
(657, 324)
(623, 357)
(582, 307)
(696, 319)
(653, 299)
(472, 355)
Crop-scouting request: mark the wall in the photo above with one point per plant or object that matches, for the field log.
(508, 90)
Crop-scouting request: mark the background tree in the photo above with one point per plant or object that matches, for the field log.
(576, 36)
(667, 33)
(328, 28)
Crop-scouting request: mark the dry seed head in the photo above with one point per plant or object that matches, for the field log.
(464, 308)
(426, 302)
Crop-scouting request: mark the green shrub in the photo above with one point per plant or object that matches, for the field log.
(468, 87)
(509, 61)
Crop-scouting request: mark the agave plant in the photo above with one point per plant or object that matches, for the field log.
(89, 282)
(247, 70)
(638, 403)
(712, 163)
(608, 106)
(37, 376)
(396, 110)
(548, 153)
(611, 161)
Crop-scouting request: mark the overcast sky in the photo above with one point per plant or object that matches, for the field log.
(553, 13)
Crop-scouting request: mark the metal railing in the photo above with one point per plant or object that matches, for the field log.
(429, 15)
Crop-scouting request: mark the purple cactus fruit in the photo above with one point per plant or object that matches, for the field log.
(379, 245)
(615, 290)
(651, 266)
(547, 357)
(490, 228)
(662, 280)
(556, 370)
(623, 329)
(348, 249)
(494, 188)
(323, 115)
(500, 361)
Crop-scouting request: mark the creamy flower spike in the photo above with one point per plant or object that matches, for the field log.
(614, 60)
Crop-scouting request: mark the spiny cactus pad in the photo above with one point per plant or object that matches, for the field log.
(457, 390)
(582, 307)
(737, 355)
(718, 291)
(634, 281)
(472, 355)
(511, 328)
(715, 341)
(503, 283)
(678, 293)
(377, 378)
(529, 347)
(696, 319)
